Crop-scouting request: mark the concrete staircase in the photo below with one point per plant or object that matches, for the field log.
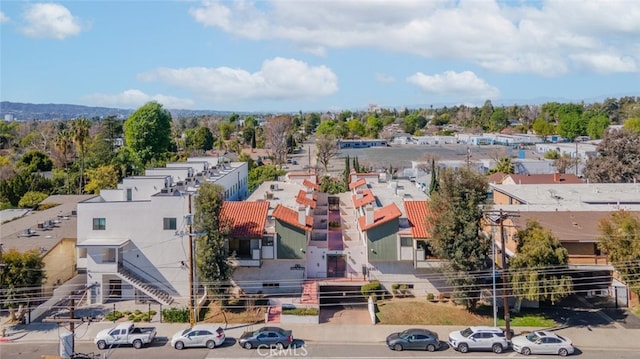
(310, 293)
(154, 292)
(274, 314)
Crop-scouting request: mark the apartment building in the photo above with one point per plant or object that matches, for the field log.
(133, 240)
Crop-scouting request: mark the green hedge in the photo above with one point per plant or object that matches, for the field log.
(371, 289)
(175, 315)
(300, 311)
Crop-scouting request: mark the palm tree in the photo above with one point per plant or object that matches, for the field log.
(62, 143)
(504, 165)
(80, 132)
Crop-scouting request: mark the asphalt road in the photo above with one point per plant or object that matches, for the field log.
(161, 350)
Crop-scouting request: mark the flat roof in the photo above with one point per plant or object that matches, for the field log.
(103, 242)
(622, 194)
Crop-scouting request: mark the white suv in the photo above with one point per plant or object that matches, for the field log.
(479, 338)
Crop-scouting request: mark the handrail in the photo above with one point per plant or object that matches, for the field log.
(160, 283)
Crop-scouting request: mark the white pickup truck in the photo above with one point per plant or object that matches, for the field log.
(125, 333)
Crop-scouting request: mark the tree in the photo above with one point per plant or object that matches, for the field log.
(277, 130)
(212, 260)
(571, 125)
(596, 126)
(565, 162)
(543, 128)
(498, 120)
(35, 161)
(356, 128)
(632, 124)
(263, 173)
(504, 165)
(328, 127)
(433, 186)
(617, 159)
(456, 230)
(326, 149)
(148, 132)
(80, 133)
(12, 189)
(203, 139)
(347, 171)
(21, 278)
(31, 199)
(535, 273)
(620, 240)
(102, 177)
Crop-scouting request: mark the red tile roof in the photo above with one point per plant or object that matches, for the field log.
(246, 218)
(418, 214)
(382, 215)
(304, 200)
(310, 184)
(496, 177)
(367, 197)
(358, 183)
(288, 215)
(547, 178)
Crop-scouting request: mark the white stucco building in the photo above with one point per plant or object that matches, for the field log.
(133, 241)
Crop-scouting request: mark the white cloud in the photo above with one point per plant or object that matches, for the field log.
(3, 18)
(548, 37)
(136, 98)
(49, 20)
(465, 85)
(278, 79)
(604, 63)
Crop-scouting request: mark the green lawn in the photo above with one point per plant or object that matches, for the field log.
(421, 312)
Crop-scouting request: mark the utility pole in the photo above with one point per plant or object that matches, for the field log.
(501, 216)
(505, 294)
(71, 321)
(192, 307)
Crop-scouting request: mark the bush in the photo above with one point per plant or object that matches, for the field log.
(431, 297)
(300, 311)
(175, 315)
(44, 206)
(334, 224)
(371, 289)
(394, 288)
(113, 316)
(31, 199)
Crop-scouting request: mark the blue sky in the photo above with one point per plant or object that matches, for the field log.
(295, 55)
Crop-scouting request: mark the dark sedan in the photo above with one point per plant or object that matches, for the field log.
(266, 337)
(420, 339)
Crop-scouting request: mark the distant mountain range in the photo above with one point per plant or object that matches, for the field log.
(29, 111)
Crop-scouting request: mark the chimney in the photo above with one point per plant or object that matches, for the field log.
(369, 214)
(302, 215)
(556, 177)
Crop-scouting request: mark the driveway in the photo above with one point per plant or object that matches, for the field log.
(345, 315)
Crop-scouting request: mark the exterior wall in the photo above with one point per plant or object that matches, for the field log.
(59, 264)
(383, 242)
(501, 198)
(580, 248)
(176, 173)
(289, 241)
(234, 180)
(154, 254)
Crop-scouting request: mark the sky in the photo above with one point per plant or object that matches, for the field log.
(298, 55)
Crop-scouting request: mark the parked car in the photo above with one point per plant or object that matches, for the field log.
(542, 342)
(125, 333)
(266, 337)
(200, 335)
(478, 338)
(414, 338)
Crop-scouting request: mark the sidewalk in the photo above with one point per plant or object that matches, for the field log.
(582, 337)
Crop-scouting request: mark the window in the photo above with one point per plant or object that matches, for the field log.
(108, 255)
(169, 223)
(99, 224)
(406, 242)
(129, 195)
(267, 242)
(270, 285)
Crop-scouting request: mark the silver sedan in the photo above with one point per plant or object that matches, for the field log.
(542, 342)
